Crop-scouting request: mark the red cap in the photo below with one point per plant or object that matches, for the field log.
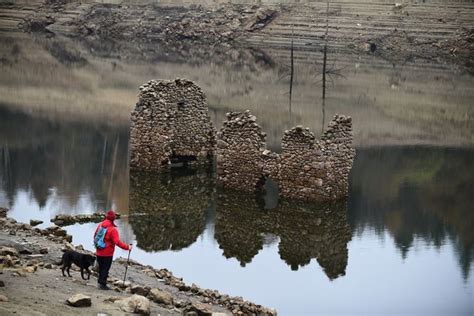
(111, 216)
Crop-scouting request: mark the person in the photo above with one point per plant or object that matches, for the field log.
(105, 255)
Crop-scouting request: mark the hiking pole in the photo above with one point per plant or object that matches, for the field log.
(126, 267)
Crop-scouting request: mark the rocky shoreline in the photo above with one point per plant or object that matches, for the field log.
(29, 258)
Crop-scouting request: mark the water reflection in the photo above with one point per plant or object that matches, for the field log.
(305, 231)
(169, 210)
(416, 192)
(411, 192)
(52, 159)
(413, 103)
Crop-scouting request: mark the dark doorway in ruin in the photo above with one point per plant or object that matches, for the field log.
(181, 160)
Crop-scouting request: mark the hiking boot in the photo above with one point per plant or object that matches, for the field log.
(104, 287)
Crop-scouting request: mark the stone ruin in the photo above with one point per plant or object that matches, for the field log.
(239, 152)
(306, 169)
(313, 169)
(170, 123)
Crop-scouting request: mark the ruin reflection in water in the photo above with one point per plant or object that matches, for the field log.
(169, 211)
(305, 231)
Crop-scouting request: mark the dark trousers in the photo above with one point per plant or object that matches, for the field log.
(104, 266)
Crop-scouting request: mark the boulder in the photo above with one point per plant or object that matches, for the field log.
(79, 300)
(135, 304)
(3, 212)
(35, 222)
(199, 308)
(9, 251)
(121, 284)
(160, 297)
(31, 269)
(7, 261)
(140, 290)
(3, 298)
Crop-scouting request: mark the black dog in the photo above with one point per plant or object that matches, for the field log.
(81, 260)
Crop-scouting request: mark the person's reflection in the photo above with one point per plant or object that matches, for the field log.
(168, 210)
(305, 231)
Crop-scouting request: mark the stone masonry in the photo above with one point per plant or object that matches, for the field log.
(313, 169)
(306, 169)
(170, 122)
(239, 152)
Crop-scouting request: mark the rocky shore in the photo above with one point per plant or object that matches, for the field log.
(31, 282)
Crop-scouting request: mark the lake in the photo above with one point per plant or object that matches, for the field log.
(401, 244)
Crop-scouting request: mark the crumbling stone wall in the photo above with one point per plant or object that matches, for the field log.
(311, 169)
(307, 168)
(170, 121)
(239, 152)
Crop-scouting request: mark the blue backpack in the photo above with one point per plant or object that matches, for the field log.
(99, 238)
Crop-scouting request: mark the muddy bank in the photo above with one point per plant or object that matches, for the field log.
(397, 32)
(31, 282)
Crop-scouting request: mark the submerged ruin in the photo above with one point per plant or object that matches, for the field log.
(170, 123)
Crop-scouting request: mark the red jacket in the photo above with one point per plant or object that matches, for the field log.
(111, 239)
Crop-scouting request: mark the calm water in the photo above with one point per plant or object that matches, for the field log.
(401, 244)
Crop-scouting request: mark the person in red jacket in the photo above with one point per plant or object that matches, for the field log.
(105, 255)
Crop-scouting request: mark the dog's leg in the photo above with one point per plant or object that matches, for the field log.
(82, 274)
(68, 268)
(88, 273)
(62, 269)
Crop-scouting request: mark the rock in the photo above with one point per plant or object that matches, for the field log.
(20, 273)
(48, 266)
(140, 290)
(35, 256)
(8, 251)
(80, 247)
(3, 298)
(7, 261)
(113, 299)
(135, 304)
(30, 269)
(2, 284)
(79, 300)
(25, 251)
(43, 251)
(160, 297)
(35, 222)
(122, 284)
(68, 246)
(199, 308)
(3, 212)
